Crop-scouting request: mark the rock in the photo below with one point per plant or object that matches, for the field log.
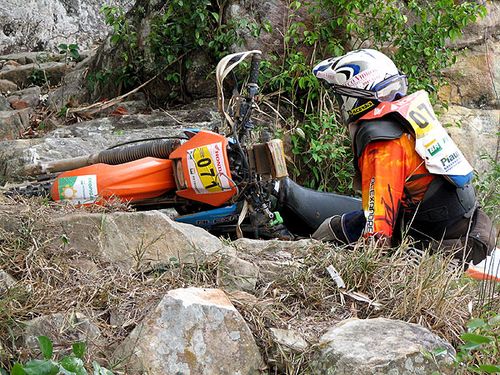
(7, 86)
(140, 240)
(191, 331)
(64, 329)
(275, 13)
(6, 281)
(237, 274)
(481, 30)
(289, 338)
(71, 89)
(96, 135)
(52, 72)
(474, 80)
(23, 58)
(34, 25)
(475, 132)
(13, 123)
(4, 104)
(381, 346)
(264, 248)
(273, 258)
(30, 97)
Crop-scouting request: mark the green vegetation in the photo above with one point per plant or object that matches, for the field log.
(72, 364)
(480, 351)
(70, 51)
(181, 27)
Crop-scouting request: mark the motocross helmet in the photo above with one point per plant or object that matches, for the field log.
(360, 80)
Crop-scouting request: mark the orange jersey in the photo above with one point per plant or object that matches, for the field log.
(386, 167)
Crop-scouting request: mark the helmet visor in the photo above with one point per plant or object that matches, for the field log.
(385, 91)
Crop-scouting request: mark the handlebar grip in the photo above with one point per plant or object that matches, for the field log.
(254, 69)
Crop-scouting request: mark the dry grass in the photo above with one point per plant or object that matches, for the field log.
(54, 277)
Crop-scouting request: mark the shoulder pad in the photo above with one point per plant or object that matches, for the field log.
(376, 130)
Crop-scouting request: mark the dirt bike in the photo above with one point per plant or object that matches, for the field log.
(227, 184)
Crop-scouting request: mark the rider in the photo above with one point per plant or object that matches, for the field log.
(413, 178)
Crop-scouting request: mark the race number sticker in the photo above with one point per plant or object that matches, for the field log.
(208, 171)
(78, 189)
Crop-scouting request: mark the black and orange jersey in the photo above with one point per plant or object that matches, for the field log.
(386, 169)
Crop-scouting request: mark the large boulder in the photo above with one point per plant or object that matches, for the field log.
(476, 133)
(191, 331)
(381, 346)
(142, 241)
(474, 80)
(35, 25)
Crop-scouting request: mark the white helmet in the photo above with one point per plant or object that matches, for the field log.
(361, 79)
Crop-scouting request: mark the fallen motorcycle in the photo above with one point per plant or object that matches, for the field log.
(227, 184)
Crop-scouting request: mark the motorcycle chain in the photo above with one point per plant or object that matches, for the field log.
(34, 189)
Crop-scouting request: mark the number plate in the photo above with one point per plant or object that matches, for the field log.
(278, 157)
(208, 172)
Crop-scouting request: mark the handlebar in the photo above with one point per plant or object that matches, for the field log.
(254, 69)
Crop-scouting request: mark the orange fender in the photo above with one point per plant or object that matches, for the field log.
(136, 180)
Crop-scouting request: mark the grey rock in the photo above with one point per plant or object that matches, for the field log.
(274, 258)
(92, 136)
(64, 329)
(381, 346)
(475, 132)
(7, 86)
(22, 75)
(237, 274)
(4, 104)
(6, 281)
(474, 80)
(31, 96)
(143, 241)
(289, 338)
(13, 123)
(24, 58)
(29, 25)
(191, 331)
(71, 89)
(485, 28)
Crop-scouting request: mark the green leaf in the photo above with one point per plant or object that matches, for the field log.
(99, 370)
(74, 54)
(476, 323)
(490, 369)
(39, 367)
(45, 346)
(73, 364)
(17, 369)
(62, 46)
(79, 349)
(475, 338)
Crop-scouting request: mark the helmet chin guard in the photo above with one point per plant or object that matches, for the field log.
(360, 80)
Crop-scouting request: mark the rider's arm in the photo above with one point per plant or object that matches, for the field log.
(383, 178)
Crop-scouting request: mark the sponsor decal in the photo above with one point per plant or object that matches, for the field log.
(434, 149)
(370, 217)
(362, 79)
(448, 162)
(361, 108)
(78, 189)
